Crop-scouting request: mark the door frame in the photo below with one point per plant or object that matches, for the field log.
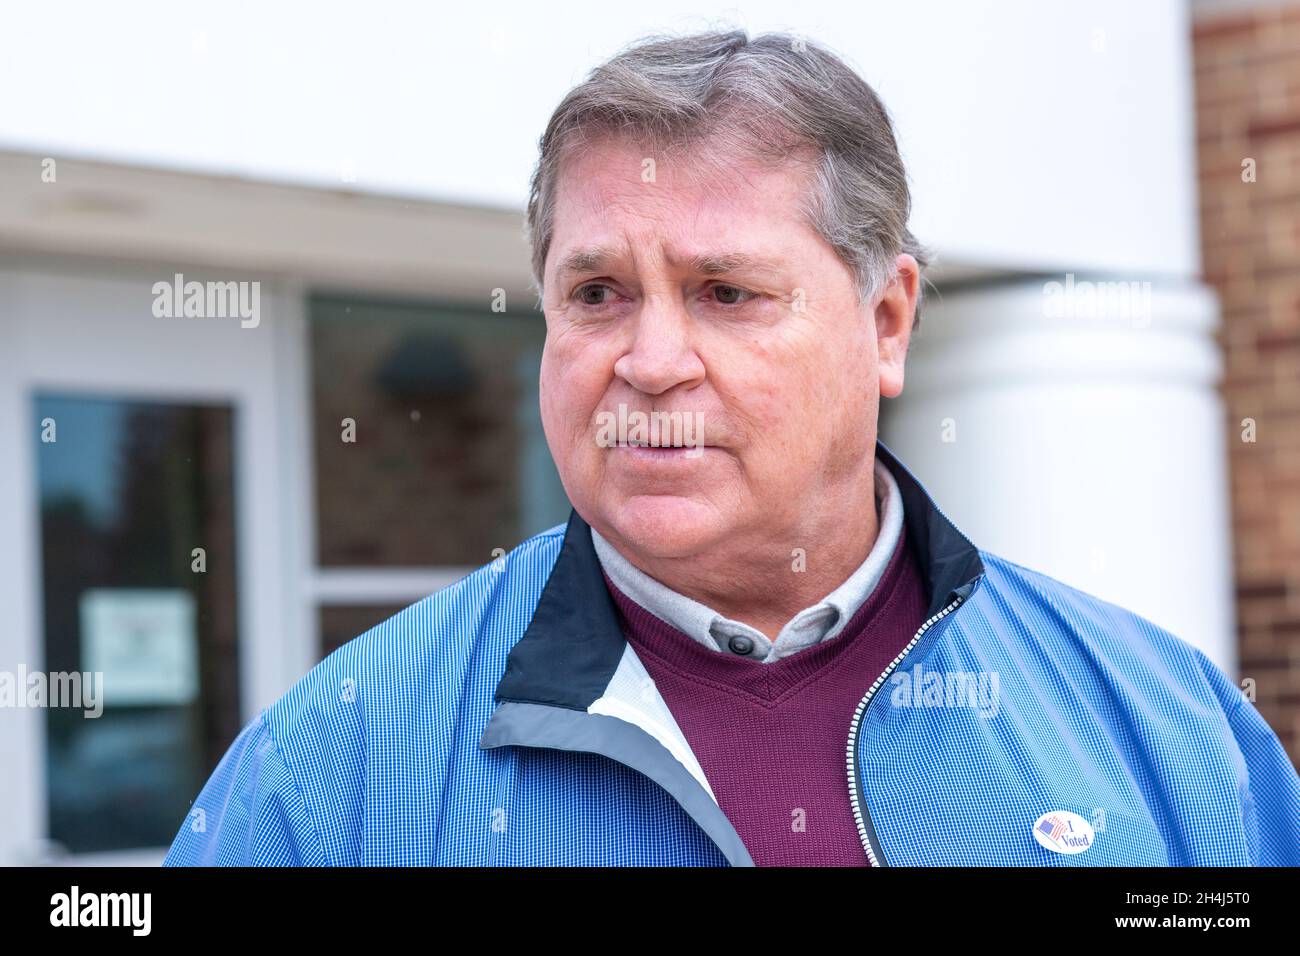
(87, 327)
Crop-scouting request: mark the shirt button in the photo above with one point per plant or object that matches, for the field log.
(741, 644)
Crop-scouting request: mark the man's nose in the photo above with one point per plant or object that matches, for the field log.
(661, 354)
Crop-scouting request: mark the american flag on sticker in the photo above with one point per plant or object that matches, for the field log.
(1052, 827)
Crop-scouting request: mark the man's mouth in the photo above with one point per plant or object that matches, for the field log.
(646, 451)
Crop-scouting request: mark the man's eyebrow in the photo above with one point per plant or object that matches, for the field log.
(720, 263)
(708, 263)
(586, 260)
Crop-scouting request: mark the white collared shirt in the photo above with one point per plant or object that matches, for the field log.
(823, 621)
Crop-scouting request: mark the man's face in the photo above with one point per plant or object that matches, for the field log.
(714, 300)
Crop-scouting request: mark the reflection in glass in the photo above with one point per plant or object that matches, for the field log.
(128, 490)
(449, 459)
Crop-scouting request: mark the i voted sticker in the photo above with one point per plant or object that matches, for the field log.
(1063, 832)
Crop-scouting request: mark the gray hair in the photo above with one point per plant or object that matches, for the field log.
(778, 97)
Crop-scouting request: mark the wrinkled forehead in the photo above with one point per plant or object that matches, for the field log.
(709, 160)
(617, 191)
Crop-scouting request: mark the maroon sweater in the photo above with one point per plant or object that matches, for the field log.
(771, 738)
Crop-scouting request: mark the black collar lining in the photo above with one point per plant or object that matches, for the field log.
(573, 644)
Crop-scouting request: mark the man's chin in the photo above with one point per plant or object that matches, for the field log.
(666, 526)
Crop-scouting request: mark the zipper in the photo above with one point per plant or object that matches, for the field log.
(861, 815)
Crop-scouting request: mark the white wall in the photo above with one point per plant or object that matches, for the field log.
(1040, 135)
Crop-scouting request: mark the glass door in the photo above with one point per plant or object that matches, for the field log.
(137, 538)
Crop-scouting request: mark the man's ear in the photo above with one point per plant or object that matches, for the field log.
(894, 313)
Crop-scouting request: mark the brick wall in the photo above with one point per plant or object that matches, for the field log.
(1247, 65)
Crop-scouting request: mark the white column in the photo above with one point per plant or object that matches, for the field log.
(1074, 427)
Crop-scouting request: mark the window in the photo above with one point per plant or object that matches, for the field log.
(429, 450)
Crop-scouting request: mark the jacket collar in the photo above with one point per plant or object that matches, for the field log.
(574, 644)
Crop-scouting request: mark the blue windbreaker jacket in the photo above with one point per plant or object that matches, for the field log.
(505, 720)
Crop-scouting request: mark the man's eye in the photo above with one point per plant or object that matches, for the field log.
(730, 294)
(592, 294)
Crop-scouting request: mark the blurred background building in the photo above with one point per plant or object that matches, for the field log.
(1105, 386)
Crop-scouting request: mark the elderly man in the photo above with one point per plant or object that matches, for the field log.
(757, 640)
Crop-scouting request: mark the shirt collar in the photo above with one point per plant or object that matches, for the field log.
(822, 621)
(573, 644)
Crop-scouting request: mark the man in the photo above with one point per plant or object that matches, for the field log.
(757, 640)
